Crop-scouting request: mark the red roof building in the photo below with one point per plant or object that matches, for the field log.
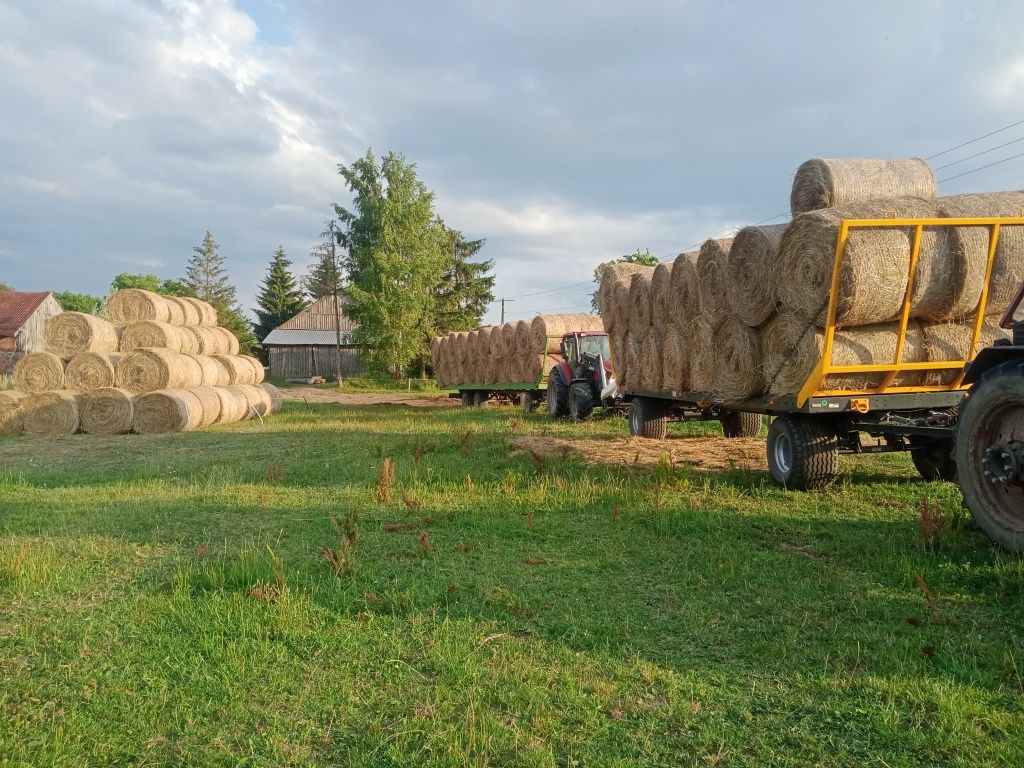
(23, 317)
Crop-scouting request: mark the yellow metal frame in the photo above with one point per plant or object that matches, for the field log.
(813, 386)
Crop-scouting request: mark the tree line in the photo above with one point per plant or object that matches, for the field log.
(403, 274)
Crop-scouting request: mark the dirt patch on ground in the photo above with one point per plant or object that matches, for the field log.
(701, 452)
(317, 395)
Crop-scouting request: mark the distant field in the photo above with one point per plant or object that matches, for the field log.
(186, 600)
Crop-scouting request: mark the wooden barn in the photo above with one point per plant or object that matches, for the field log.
(306, 345)
(23, 317)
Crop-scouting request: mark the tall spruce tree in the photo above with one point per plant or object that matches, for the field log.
(395, 254)
(466, 288)
(279, 298)
(325, 276)
(207, 279)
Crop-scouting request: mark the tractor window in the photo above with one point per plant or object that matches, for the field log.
(595, 345)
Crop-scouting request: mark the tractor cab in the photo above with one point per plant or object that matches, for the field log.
(587, 353)
(583, 377)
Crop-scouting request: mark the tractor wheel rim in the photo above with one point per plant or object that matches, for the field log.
(997, 451)
(783, 451)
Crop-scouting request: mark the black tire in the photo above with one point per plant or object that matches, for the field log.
(529, 402)
(933, 459)
(467, 397)
(581, 401)
(803, 452)
(558, 395)
(480, 397)
(647, 418)
(740, 424)
(988, 440)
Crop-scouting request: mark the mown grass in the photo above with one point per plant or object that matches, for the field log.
(170, 600)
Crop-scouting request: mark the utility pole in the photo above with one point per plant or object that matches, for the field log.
(337, 304)
(503, 308)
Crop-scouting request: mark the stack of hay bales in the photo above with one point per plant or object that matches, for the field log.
(744, 317)
(510, 353)
(155, 364)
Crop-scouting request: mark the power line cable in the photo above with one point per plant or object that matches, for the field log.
(979, 154)
(972, 141)
(982, 168)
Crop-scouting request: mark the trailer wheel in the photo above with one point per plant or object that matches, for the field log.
(647, 418)
(933, 459)
(467, 397)
(558, 395)
(480, 397)
(741, 424)
(529, 402)
(989, 454)
(803, 452)
(581, 401)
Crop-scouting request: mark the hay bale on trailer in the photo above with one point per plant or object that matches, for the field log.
(70, 333)
(651, 373)
(10, 411)
(737, 360)
(712, 263)
(952, 341)
(675, 360)
(685, 291)
(876, 262)
(40, 372)
(793, 346)
(50, 414)
(544, 326)
(835, 182)
(91, 370)
(661, 296)
(106, 411)
(616, 273)
(751, 266)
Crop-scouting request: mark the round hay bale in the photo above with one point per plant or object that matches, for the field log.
(947, 342)
(91, 370)
(207, 340)
(257, 401)
(106, 411)
(640, 302)
(10, 411)
(190, 344)
(631, 371)
(206, 315)
(873, 277)
(702, 356)
(829, 183)
(230, 341)
(70, 333)
(522, 339)
(617, 346)
(258, 371)
(661, 296)
(508, 339)
(738, 360)
(712, 263)
(685, 301)
(212, 371)
(148, 370)
(611, 275)
(40, 372)
(233, 405)
(165, 411)
(205, 405)
(276, 398)
(750, 268)
(239, 370)
(675, 360)
(50, 414)
(619, 315)
(175, 310)
(150, 333)
(129, 305)
(973, 242)
(792, 347)
(651, 374)
(546, 331)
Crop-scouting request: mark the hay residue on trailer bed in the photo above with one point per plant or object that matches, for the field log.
(711, 453)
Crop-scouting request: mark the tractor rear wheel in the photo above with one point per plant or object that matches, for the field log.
(581, 401)
(529, 402)
(803, 452)
(558, 395)
(467, 397)
(741, 424)
(480, 397)
(648, 418)
(989, 454)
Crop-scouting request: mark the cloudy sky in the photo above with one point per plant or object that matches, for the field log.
(565, 133)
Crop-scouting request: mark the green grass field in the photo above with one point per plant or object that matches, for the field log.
(186, 599)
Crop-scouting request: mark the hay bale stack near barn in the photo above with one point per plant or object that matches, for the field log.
(10, 411)
(831, 183)
(148, 370)
(50, 414)
(71, 333)
(106, 411)
(91, 370)
(40, 372)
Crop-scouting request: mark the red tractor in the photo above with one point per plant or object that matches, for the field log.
(583, 379)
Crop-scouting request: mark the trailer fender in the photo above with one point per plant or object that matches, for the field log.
(990, 357)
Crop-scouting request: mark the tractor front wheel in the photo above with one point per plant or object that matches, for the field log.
(581, 401)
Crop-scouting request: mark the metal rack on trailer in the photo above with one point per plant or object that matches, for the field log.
(813, 426)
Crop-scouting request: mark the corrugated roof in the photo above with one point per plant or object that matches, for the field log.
(319, 316)
(282, 337)
(16, 307)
